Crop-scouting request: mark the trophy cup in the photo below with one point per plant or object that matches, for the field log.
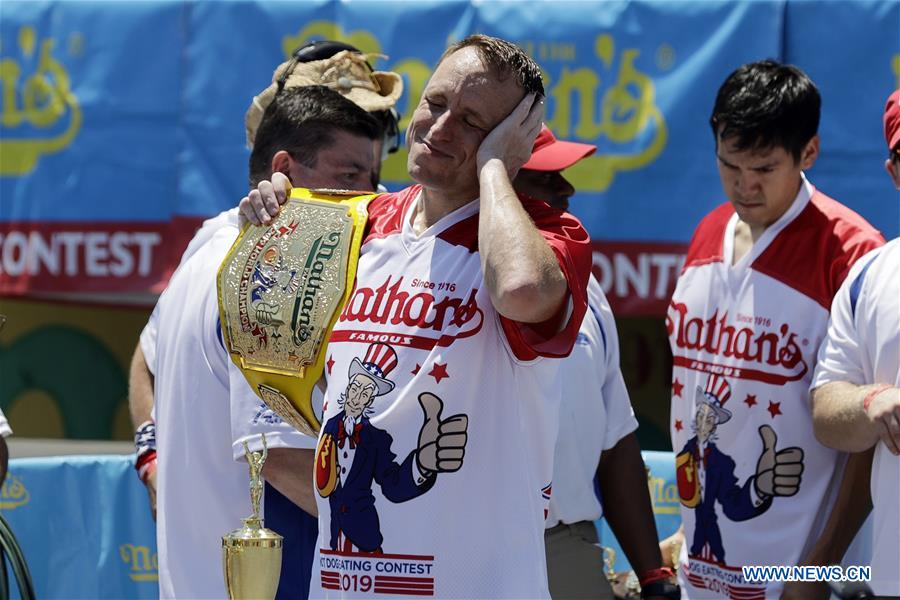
(251, 555)
(281, 289)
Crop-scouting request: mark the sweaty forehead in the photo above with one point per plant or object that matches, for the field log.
(463, 78)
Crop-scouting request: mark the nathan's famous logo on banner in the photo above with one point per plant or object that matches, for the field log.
(40, 114)
(895, 67)
(14, 493)
(774, 349)
(606, 92)
(142, 562)
(664, 495)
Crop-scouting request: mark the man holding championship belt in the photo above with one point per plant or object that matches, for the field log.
(326, 62)
(201, 422)
(442, 399)
(344, 69)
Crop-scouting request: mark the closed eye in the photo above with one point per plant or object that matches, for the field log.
(475, 126)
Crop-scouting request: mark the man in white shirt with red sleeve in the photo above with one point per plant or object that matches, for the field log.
(204, 409)
(434, 466)
(856, 388)
(322, 61)
(748, 313)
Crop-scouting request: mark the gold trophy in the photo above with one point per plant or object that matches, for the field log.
(281, 289)
(251, 555)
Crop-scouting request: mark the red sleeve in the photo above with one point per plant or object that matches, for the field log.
(815, 251)
(706, 244)
(572, 247)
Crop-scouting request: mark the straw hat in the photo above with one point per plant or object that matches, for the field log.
(346, 72)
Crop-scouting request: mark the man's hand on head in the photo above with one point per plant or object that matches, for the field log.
(263, 204)
(512, 139)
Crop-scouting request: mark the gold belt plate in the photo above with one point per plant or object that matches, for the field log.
(280, 288)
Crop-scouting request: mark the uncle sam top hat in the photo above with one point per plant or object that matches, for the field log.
(380, 360)
(716, 394)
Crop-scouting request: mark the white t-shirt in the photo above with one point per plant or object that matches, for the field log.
(420, 325)
(204, 409)
(744, 340)
(228, 218)
(595, 413)
(5, 429)
(862, 347)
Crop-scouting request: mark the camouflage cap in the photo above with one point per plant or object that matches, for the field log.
(346, 72)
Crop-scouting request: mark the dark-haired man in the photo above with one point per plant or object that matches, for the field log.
(471, 289)
(204, 410)
(744, 323)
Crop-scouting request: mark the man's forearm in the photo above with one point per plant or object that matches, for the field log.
(626, 504)
(290, 470)
(851, 507)
(839, 417)
(140, 389)
(520, 270)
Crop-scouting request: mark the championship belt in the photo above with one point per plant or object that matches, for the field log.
(281, 289)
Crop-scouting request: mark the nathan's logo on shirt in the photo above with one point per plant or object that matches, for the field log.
(777, 353)
(390, 304)
(143, 565)
(323, 250)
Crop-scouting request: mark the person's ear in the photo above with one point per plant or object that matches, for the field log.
(810, 153)
(282, 162)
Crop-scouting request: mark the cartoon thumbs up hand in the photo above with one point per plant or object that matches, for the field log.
(442, 443)
(777, 473)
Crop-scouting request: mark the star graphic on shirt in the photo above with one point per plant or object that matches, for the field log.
(774, 408)
(330, 363)
(750, 400)
(677, 388)
(439, 371)
(678, 425)
(416, 370)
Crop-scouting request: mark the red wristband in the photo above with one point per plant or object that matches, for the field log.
(872, 393)
(660, 574)
(146, 465)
